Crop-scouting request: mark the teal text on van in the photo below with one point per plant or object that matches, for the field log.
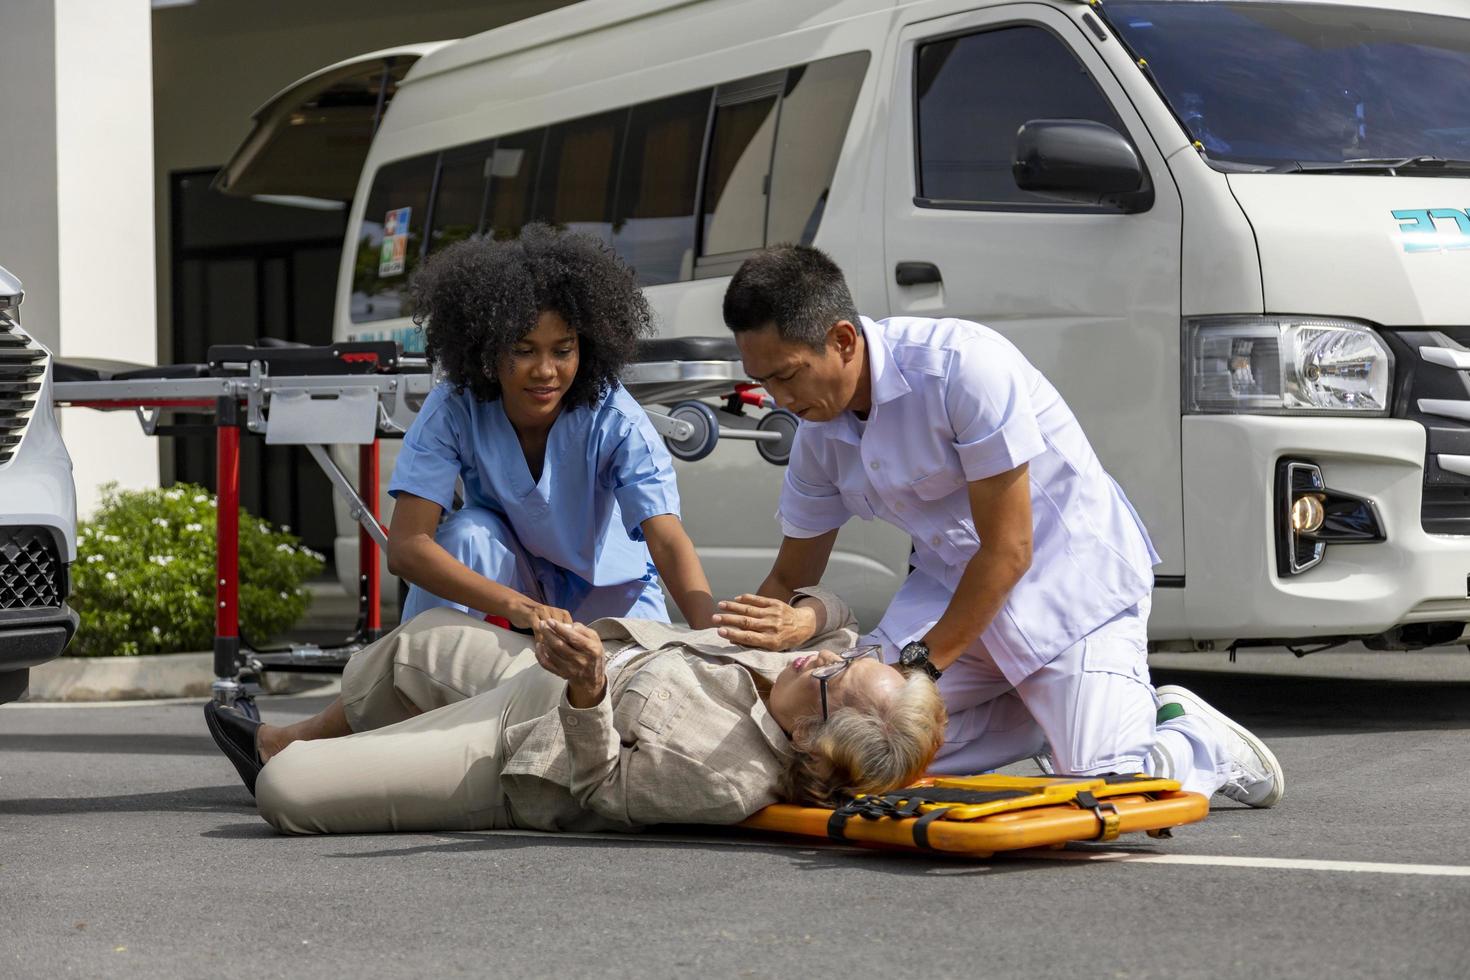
(1434, 229)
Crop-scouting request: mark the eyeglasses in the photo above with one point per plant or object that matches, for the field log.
(826, 672)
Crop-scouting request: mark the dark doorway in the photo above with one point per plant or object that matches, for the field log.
(245, 269)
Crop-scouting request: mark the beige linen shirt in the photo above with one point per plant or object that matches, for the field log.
(682, 736)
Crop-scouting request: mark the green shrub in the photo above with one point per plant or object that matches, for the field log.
(143, 581)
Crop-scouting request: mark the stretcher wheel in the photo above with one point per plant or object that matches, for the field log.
(246, 706)
(701, 441)
(784, 422)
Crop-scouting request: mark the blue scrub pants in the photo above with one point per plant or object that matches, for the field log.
(483, 541)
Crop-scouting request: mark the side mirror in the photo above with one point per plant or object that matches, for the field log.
(1081, 161)
(11, 292)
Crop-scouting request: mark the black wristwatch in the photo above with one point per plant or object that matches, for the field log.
(915, 656)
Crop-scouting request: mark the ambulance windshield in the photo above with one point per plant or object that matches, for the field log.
(1309, 87)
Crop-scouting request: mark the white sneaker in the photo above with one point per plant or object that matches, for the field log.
(1256, 778)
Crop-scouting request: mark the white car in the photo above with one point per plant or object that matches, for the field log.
(38, 506)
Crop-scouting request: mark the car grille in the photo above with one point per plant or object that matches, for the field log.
(22, 369)
(31, 571)
(1432, 387)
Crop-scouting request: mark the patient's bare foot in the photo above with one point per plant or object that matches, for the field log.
(270, 740)
(330, 722)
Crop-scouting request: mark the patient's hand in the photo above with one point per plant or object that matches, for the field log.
(574, 652)
(765, 623)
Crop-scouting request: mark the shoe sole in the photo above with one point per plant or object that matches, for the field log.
(1199, 706)
(247, 769)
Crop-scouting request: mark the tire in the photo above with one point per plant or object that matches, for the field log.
(702, 440)
(784, 422)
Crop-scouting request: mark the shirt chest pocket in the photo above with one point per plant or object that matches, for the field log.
(937, 485)
(649, 705)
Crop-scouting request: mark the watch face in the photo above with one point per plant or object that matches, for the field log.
(913, 653)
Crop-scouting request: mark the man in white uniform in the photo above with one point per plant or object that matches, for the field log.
(1031, 573)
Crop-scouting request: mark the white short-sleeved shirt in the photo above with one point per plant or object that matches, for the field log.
(955, 402)
(606, 472)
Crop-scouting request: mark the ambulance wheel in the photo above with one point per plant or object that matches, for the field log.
(701, 442)
(784, 422)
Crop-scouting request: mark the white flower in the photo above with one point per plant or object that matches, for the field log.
(157, 631)
(193, 527)
(112, 576)
(200, 498)
(286, 548)
(284, 596)
(173, 495)
(113, 538)
(161, 522)
(93, 558)
(286, 528)
(264, 527)
(213, 502)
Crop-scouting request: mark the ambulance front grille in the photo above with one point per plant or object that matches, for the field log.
(1433, 388)
(22, 369)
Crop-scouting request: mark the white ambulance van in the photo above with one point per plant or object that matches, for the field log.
(1234, 233)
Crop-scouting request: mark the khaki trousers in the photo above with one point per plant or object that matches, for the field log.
(427, 705)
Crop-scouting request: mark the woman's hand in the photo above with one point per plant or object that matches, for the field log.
(528, 614)
(573, 652)
(765, 623)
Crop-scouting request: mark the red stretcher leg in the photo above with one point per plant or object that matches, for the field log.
(227, 548)
(370, 587)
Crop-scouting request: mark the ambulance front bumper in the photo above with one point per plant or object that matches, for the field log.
(1233, 588)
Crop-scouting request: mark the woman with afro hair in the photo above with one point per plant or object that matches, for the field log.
(571, 512)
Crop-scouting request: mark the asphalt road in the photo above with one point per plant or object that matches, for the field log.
(127, 848)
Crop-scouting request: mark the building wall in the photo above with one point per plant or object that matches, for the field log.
(76, 209)
(28, 161)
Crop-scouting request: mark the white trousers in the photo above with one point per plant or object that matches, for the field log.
(1091, 710)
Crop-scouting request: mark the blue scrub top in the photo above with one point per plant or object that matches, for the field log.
(606, 472)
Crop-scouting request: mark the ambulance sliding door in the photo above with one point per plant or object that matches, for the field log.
(1089, 294)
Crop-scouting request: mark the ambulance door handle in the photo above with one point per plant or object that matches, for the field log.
(916, 273)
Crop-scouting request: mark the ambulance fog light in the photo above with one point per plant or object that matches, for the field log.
(1307, 514)
(1310, 516)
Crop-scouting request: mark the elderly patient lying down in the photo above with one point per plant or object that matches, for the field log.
(449, 723)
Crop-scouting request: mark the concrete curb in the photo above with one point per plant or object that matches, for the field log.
(171, 675)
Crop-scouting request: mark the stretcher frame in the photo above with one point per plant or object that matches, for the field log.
(315, 411)
(1012, 813)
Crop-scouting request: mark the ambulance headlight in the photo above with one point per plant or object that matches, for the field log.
(1281, 365)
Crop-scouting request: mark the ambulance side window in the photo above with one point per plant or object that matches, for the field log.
(512, 174)
(974, 91)
(460, 196)
(653, 228)
(390, 238)
(816, 107)
(579, 173)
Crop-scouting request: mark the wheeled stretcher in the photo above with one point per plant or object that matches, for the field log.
(356, 394)
(977, 816)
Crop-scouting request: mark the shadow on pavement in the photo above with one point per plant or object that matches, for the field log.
(221, 799)
(99, 743)
(816, 856)
(1273, 704)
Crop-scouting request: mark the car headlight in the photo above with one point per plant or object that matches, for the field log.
(1275, 365)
